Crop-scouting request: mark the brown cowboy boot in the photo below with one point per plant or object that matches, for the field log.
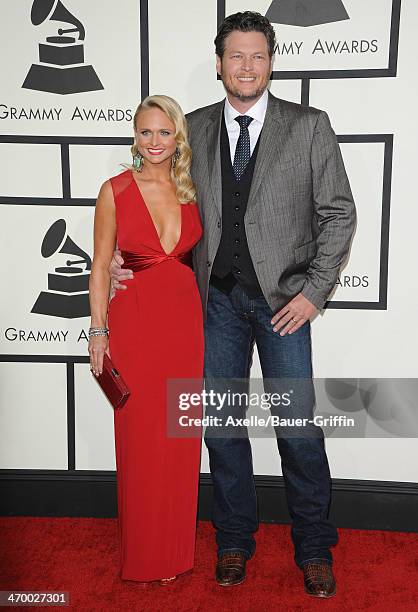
(230, 569)
(319, 579)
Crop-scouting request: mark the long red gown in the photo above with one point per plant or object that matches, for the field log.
(155, 333)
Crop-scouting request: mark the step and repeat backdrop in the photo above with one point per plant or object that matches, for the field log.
(72, 75)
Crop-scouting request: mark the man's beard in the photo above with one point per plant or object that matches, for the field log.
(247, 97)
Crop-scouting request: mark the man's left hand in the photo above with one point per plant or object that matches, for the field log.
(293, 315)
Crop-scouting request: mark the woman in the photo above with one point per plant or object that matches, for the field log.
(156, 333)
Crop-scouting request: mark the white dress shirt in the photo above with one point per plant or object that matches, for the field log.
(257, 112)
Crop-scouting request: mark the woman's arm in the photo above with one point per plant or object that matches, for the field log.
(104, 245)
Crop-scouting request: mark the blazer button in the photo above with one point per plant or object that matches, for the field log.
(236, 224)
(219, 224)
(208, 263)
(237, 194)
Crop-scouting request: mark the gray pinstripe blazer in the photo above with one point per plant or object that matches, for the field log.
(300, 215)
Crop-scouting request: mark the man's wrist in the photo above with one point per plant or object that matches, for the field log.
(314, 296)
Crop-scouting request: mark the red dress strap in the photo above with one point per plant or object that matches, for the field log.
(121, 182)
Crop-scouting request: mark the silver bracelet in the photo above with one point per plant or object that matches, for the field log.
(98, 331)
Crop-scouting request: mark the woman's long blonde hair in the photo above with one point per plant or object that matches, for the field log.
(180, 174)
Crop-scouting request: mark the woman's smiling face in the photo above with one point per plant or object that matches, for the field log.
(155, 135)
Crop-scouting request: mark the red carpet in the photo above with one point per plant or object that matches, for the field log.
(375, 570)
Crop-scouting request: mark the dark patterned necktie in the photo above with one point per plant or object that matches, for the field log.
(242, 151)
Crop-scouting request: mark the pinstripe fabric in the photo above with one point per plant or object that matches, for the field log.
(300, 215)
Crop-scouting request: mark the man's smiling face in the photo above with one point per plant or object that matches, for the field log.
(245, 66)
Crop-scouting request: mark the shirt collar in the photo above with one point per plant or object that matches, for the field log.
(257, 111)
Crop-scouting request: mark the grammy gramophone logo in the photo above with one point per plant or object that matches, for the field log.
(61, 68)
(306, 12)
(68, 285)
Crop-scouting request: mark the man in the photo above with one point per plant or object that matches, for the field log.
(278, 217)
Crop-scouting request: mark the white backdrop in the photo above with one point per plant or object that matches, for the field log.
(56, 149)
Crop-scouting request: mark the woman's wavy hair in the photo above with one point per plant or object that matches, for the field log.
(180, 174)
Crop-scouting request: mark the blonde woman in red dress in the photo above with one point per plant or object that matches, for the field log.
(155, 333)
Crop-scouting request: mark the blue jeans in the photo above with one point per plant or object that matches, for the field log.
(234, 322)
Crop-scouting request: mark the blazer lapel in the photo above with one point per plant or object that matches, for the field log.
(213, 132)
(270, 140)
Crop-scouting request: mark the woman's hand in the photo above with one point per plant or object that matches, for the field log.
(98, 346)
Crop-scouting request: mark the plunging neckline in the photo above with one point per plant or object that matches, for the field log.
(153, 224)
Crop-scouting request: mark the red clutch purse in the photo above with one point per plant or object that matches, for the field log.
(112, 384)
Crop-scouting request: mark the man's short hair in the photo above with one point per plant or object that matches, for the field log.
(249, 21)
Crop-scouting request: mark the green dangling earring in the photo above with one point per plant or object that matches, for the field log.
(137, 162)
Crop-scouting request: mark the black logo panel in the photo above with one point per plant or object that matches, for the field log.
(61, 68)
(306, 13)
(68, 285)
